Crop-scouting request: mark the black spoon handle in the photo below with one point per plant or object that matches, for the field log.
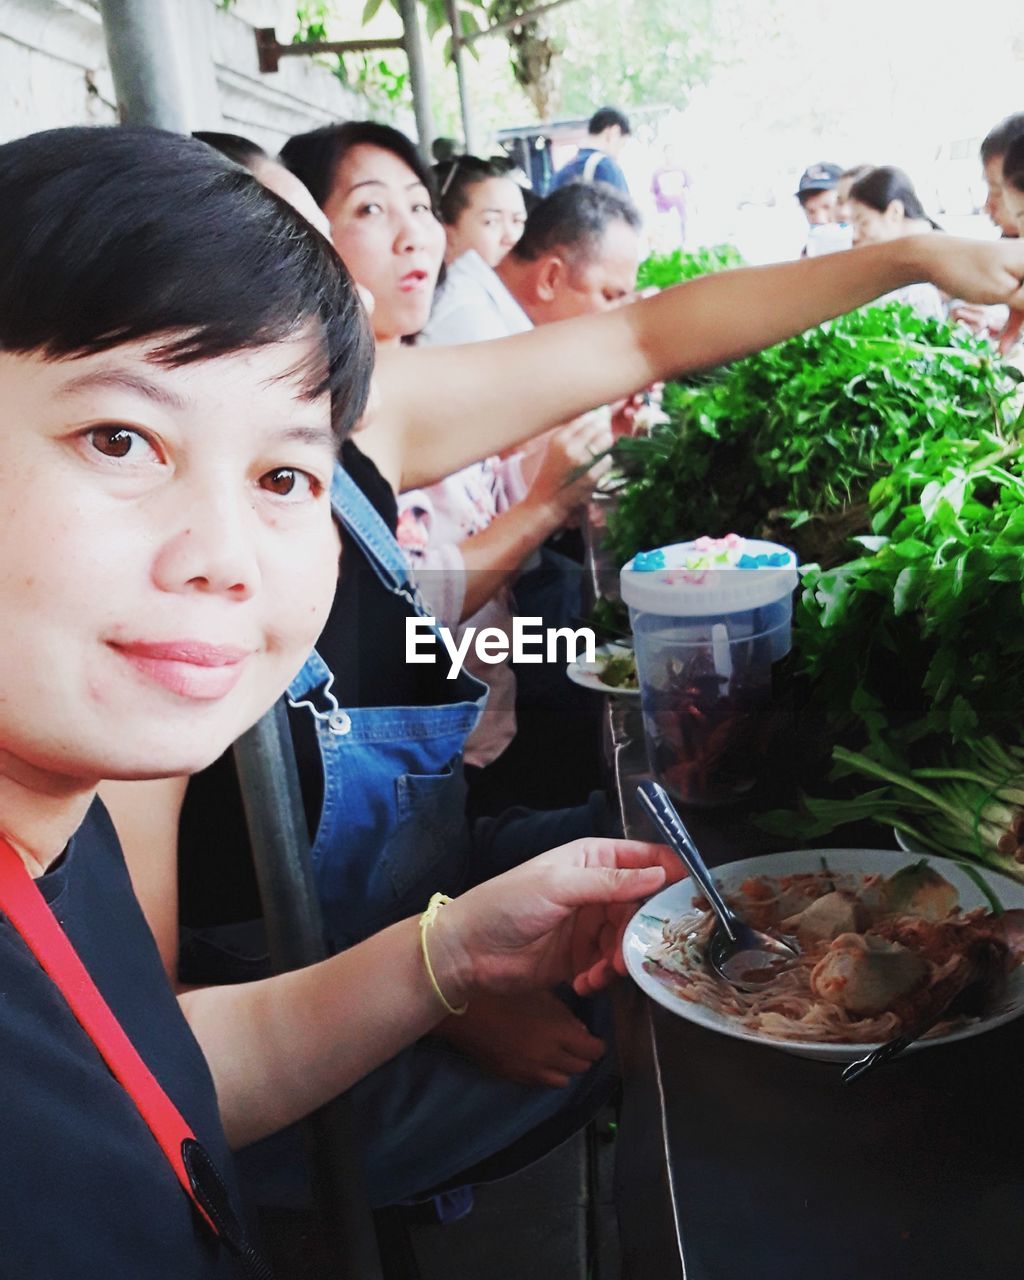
(883, 1054)
(893, 1048)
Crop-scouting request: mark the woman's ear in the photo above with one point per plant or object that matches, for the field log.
(895, 211)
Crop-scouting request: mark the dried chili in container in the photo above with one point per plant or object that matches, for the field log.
(710, 618)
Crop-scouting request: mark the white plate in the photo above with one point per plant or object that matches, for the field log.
(677, 900)
(588, 674)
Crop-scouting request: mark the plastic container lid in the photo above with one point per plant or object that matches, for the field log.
(709, 577)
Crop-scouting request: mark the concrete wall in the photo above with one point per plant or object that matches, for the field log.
(53, 70)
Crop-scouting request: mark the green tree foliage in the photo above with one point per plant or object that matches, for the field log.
(633, 52)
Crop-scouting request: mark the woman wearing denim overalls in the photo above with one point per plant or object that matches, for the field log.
(391, 832)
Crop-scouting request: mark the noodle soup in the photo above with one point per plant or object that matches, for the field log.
(878, 952)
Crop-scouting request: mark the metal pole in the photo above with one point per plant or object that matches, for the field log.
(276, 819)
(417, 74)
(145, 60)
(454, 20)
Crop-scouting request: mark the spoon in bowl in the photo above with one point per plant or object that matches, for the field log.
(745, 957)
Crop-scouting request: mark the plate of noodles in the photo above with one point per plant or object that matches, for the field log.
(882, 934)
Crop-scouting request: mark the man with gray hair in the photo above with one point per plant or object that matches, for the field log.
(578, 254)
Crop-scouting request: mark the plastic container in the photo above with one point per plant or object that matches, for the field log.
(710, 618)
(829, 237)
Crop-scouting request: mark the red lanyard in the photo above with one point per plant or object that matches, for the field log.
(29, 913)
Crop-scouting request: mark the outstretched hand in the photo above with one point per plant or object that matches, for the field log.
(976, 270)
(557, 918)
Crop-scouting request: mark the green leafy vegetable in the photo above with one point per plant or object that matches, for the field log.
(664, 269)
(787, 443)
(619, 672)
(971, 806)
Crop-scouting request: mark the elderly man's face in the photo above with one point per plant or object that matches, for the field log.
(599, 282)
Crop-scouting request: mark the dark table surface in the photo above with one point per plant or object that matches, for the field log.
(737, 1161)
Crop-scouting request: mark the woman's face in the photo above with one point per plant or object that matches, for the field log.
(386, 234)
(842, 211)
(491, 223)
(1012, 208)
(167, 555)
(872, 227)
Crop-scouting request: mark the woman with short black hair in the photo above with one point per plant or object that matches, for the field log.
(180, 355)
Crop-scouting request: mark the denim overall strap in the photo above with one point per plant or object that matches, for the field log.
(363, 523)
(365, 526)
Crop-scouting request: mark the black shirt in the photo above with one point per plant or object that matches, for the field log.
(85, 1190)
(363, 643)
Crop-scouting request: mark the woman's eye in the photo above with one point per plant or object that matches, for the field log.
(287, 482)
(371, 207)
(120, 442)
(422, 207)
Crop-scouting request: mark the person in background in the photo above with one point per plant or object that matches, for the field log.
(816, 193)
(443, 150)
(578, 256)
(1013, 204)
(997, 142)
(608, 132)
(846, 180)
(1013, 180)
(269, 173)
(670, 186)
(991, 321)
(481, 207)
(884, 206)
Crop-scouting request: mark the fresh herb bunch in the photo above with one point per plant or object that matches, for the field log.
(919, 640)
(971, 805)
(664, 269)
(787, 443)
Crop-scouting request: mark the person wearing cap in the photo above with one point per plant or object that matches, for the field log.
(607, 132)
(817, 193)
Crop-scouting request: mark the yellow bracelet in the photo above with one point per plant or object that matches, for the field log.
(426, 920)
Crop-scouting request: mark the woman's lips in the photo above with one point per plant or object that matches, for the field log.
(189, 668)
(412, 280)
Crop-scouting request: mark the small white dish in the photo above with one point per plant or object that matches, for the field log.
(677, 900)
(588, 674)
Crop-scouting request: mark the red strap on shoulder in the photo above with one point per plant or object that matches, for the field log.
(28, 911)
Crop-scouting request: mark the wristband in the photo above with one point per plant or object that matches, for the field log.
(426, 920)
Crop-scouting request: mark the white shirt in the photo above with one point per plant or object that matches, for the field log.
(472, 306)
